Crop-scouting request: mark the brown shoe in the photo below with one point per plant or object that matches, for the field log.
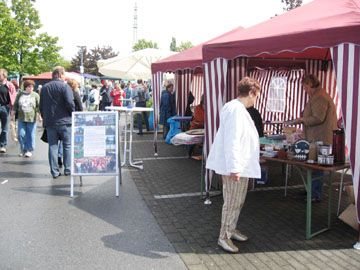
(239, 236)
(228, 245)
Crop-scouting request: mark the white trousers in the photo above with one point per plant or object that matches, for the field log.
(234, 194)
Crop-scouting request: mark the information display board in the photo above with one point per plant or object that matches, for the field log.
(94, 147)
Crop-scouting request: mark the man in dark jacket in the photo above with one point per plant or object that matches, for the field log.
(106, 99)
(167, 107)
(141, 96)
(56, 106)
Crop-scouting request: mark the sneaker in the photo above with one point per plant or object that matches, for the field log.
(357, 246)
(56, 176)
(2, 150)
(228, 245)
(21, 154)
(28, 154)
(239, 236)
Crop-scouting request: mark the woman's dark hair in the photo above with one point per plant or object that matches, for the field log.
(169, 85)
(247, 85)
(28, 82)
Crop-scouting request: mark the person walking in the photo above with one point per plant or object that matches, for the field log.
(94, 98)
(7, 99)
(75, 87)
(235, 156)
(167, 107)
(106, 99)
(26, 108)
(56, 107)
(141, 95)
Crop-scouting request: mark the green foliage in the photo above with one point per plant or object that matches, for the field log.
(64, 63)
(22, 50)
(90, 59)
(182, 47)
(291, 4)
(143, 44)
(8, 51)
(173, 45)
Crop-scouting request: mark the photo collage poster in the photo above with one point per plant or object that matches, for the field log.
(94, 144)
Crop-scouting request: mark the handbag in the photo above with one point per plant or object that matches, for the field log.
(44, 137)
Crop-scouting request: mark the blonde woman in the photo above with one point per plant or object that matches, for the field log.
(74, 85)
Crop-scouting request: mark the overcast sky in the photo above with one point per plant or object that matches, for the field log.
(110, 22)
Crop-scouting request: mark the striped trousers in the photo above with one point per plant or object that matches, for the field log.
(234, 194)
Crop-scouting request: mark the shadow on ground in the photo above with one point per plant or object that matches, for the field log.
(274, 223)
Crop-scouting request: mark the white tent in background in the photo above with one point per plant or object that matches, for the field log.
(137, 65)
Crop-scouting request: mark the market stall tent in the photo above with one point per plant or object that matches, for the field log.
(136, 65)
(47, 76)
(318, 32)
(188, 69)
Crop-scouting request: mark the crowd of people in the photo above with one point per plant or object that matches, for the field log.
(234, 154)
(53, 104)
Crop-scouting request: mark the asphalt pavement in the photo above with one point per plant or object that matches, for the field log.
(159, 220)
(41, 227)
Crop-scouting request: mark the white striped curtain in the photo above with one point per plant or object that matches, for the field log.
(217, 92)
(237, 70)
(197, 87)
(156, 84)
(346, 59)
(183, 80)
(295, 97)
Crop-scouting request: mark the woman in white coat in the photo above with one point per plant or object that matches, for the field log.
(235, 156)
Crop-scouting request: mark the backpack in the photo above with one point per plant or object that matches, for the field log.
(141, 96)
(91, 98)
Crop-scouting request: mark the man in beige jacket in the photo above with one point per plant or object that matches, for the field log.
(319, 120)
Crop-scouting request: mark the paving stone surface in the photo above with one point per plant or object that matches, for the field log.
(275, 224)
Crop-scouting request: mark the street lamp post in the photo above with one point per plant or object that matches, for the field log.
(82, 49)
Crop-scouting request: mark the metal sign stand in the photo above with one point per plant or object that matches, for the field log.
(118, 177)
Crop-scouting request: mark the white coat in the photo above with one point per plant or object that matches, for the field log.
(236, 145)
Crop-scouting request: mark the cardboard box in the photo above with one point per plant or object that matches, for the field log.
(350, 192)
(349, 216)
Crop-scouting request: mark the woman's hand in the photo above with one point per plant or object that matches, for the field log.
(235, 176)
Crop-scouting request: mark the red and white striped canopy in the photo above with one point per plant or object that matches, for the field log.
(321, 30)
(187, 66)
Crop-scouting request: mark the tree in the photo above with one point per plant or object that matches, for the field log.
(184, 46)
(173, 44)
(22, 49)
(8, 51)
(90, 59)
(64, 63)
(291, 4)
(143, 44)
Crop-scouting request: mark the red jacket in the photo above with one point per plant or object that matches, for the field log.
(117, 95)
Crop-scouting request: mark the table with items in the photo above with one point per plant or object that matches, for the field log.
(300, 162)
